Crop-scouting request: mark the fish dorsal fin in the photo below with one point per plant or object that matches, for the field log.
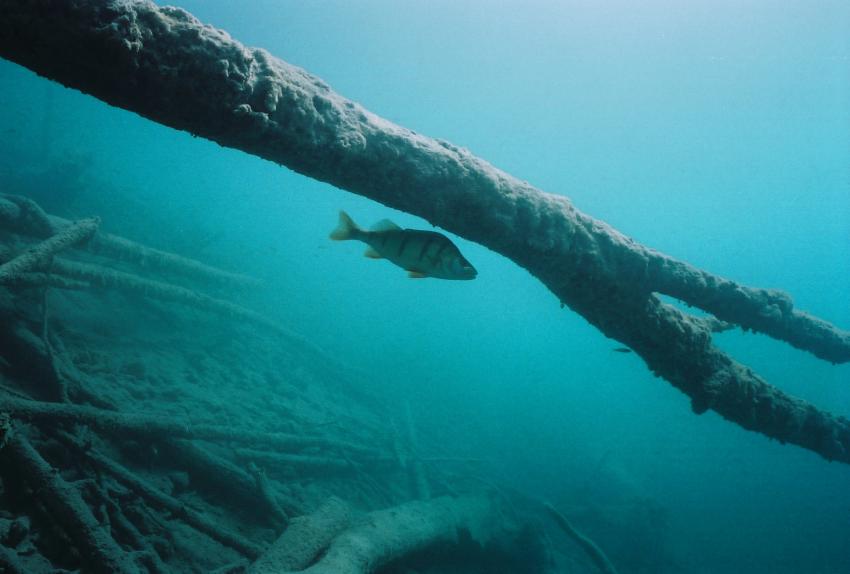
(372, 253)
(385, 225)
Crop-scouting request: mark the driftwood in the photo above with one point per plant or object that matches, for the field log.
(25, 216)
(20, 268)
(303, 465)
(305, 538)
(218, 474)
(164, 64)
(104, 278)
(148, 554)
(387, 535)
(122, 249)
(264, 487)
(156, 427)
(68, 509)
(41, 254)
(99, 276)
(62, 387)
(29, 269)
(589, 546)
(30, 358)
(40, 280)
(164, 501)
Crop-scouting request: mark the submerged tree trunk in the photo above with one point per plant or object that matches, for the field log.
(164, 64)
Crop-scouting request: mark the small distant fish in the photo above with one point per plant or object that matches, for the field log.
(420, 253)
(622, 350)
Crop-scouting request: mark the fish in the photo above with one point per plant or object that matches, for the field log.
(420, 253)
(622, 350)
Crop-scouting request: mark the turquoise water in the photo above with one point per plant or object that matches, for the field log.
(716, 132)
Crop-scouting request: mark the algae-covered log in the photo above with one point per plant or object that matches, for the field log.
(117, 247)
(167, 66)
(42, 280)
(75, 273)
(388, 535)
(42, 253)
(159, 427)
(103, 277)
(305, 539)
(24, 215)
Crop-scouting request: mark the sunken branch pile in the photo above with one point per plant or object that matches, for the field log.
(166, 65)
(107, 466)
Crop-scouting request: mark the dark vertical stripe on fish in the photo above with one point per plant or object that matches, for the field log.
(425, 247)
(402, 244)
(441, 249)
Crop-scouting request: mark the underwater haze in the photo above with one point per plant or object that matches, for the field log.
(715, 132)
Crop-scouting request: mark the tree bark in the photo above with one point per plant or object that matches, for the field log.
(164, 64)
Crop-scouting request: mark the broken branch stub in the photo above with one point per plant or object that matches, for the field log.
(164, 64)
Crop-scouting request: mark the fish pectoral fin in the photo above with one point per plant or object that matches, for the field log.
(385, 225)
(416, 275)
(371, 253)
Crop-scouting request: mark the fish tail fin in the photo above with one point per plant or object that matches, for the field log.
(345, 229)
